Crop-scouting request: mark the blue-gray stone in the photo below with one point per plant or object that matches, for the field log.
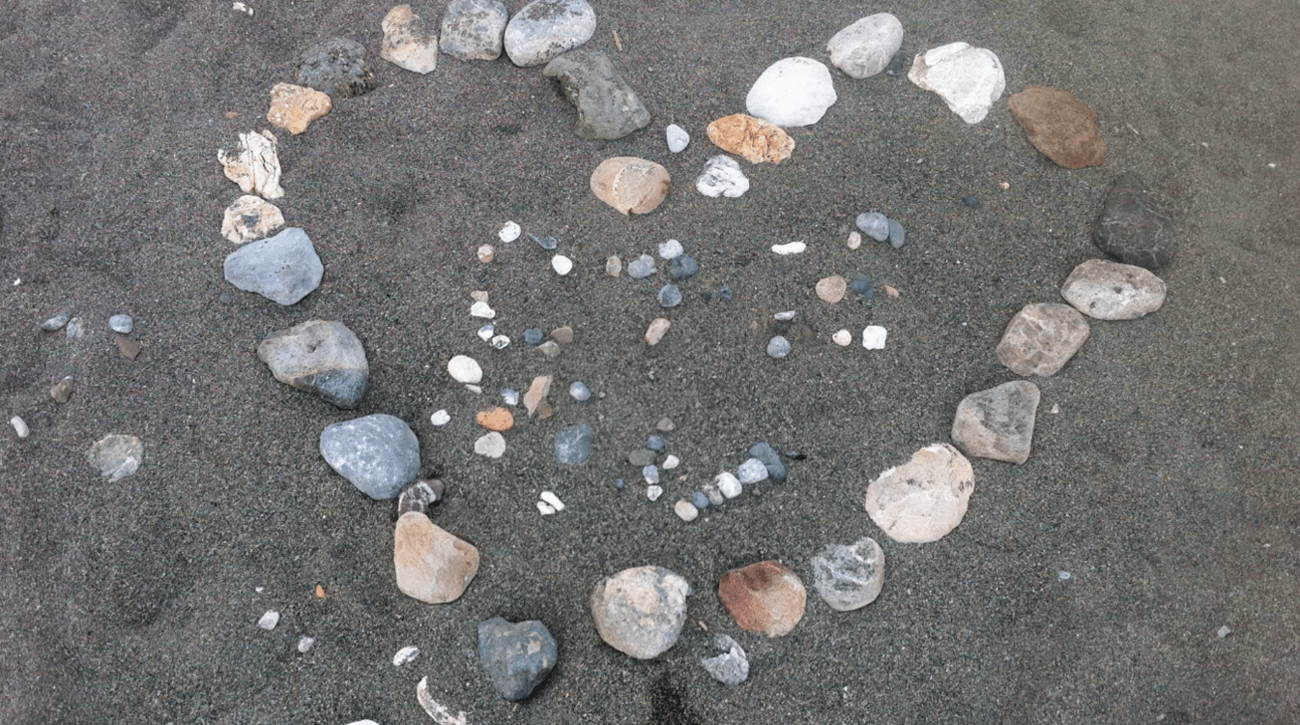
(321, 357)
(533, 336)
(283, 268)
(641, 267)
(670, 296)
(472, 29)
(752, 471)
(650, 473)
(377, 453)
(656, 443)
(573, 445)
(337, 67)
(544, 29)
(862, 286)
(608, 108)
(730, 667)
(700, 499)
(683, 266)
(778, 347)
(57, 322)
(545, 242)
(641, 457)
(619, 484)
(874, 225)
(517, 657)
(579, 391)
(896, 235)
(767, 454)
(724, 292)
(972, 201)
(121, 323)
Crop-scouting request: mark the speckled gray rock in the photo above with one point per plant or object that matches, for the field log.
(607, 106)
(517, 657)
(544, 29)
(121, 323)
(640, 611)
(998, 423)
(337, 67)
(641, 267)
(1136, 224)
(874, 225)
(732, 666)
(378, 453)
(767, 454)
(321, 357)
(472, 29)
(573, 445)
(1042, 338)
(1113, 291)
(865, 48)
(57, 322)
(283, 268)
(849, 577)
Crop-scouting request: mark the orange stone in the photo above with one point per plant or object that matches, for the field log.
(293, 108)
(1060, 126)
(629, 184)
(765, 597)
(497, 419)
(751, 138)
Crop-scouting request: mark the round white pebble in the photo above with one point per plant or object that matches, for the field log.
(440, 418)
(671, 249)
(269, 620)
(790, 248)
(677, 138)
(561, 264)
(485, 332)
(613, 266)
(855, 240)
(654, 492)
(464, 369)
(842, 338)
(405, 654)
(509, 232)
(671, 462)
(305, 644)
(492, 445)
(873, 337)
(121, 323)
(686, 511)
(482, 309)
(728, 484)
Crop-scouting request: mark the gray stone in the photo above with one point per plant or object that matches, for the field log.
(573, 445)
(849, 577)
(874, 225)
(57, 322)
(1136, 224)
(1042, 338)
(472, 29)
(642, 457)
(683, 267)
(732, 666)
(419, 496)
(641, 267)
(121, 323)
(378, 453)
(677, 138)
(670, 296)
(544, 29)
(116, 456)
(998, 423)
(76, 328)
(896, 234)
(640, 611)
(767, 454)
(337, 67)
(923, 499)
(865, 48)
(517, 657)
(778, 347)
(1112, 291)
(320, 357)
(607, 106)
(283, 268)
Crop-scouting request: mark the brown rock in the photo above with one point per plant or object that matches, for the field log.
(1042, 338)
(497, 419)
(629, 184)
(1060, 126)
(751, 138)
(293, 108)
(831, 289)
(128, 347)
(432, 565)
(562, 335)
(764, 597)
(536, 393)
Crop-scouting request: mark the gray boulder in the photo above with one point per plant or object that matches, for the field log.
(543, 29)
(472, 29)
(998, 423)
(378, 453)
(338, 67)
(321, 357)
(283, 268)
(608, 108)
(517, 657)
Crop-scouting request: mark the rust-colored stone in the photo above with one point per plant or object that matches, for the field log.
(497, 419)
(764, 597)
(1060, 126)
(751, 138)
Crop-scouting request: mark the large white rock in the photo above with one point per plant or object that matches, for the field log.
(1112, 291)
(865, 48)
(923, 499)
(792, 92)
(968, 79)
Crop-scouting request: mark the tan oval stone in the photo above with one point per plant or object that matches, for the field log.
(753, 139)
(655, 332)
(293, 108)
(923, 499)
(629, 184)
(765, 597)
(1060, 126)
(431, 564)
(832, 289)
(497, 419)
(1042, 338)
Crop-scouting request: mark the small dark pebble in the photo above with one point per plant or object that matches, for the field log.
(896, 235)
(895, 67)
(619, 484)
(683, 266)
(724, 292)
(972, 202)
(656, 443)
(700, 499)
(544, 242)
(862, 286)
(533, 336)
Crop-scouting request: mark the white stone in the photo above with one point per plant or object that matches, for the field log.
(842, 338)
(873, 337)
(855, 240)
(792, 92)
(509, 232)
(250, 217)
(405, 654)
(728, 484)
(409, 41)
(464, 369)
(655, 332)
(686, 511)
(482, 309)
(671, 249)
(671, 462)
(20, 426)
(475, 389)
(255, 165)
(722, 177)
(269, 620)
(789, 248)
(440, 418)
(654, 492)
(544, 29)
(554, 501)
(752, 471)
(923, 499)
(650, 473)
(849, 577)
(865, 48)
(968, 79)
(510, 396)
(545, 509)
(492, 445)
(357, 722)
(561, 264)
(305, 644)
(485, 332)
(486, 253)
(784, 315)
(613, 266)
(1224, 631)
(1108, 290)
(500, 341)
(677, 138)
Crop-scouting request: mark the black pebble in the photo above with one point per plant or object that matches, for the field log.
(972, 202)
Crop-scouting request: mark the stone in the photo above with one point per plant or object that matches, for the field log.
(126, 347)
(671, 249)
(254, 165)
(671, 462)
(304, 646)
(338, 67)
(573, 445)
(76, 329)
(544, 29)
(579, 391)
(700, 500)
(722, 177)
(923, 499)
(378, 454)
(116, 456)
(752, 470)
(320, 357)
(550, 348)
(874, 336)
(683, 267)
(509, 232)
(854, 241)
(607, 106)
(410, 42)
(640, 611)
(1111, 291)
(654, 492)
(770, 460)
(613, 266)
(650, 474)
(293, 108)
(405, 655)
(58, 321)
(562, 334)
(849, 577)
(490, 445)
(516, 657)
(630, 185)
(874, 225)
(792, 92)
(670, 296)
(473, 29)
(997, 423)
(686, 511)
(677, 138)
(865, 48)
(20, 427)
(420, 496)
(486, 253)
(764, 597)
(655, 332)
(732, 666)
(842, 338)
(562, 265)
(249, 218)
(641, 267)
(497, 419)
(1042, 338)
(968, 79)
(790, 248)
(431, 564)
(465, 369)
(268, 620)
(896, 234)
(831, 289)
(752, 139)
(862, 285)
(283, 268)
(1060, 126)
(778, 347)
(482, 309)
(665, 425)
(440, 417)
(61, 391)
(1136, 224)
(537, 392)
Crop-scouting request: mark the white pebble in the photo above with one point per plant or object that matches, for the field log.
(555, 502)
(20, 426)
(269, 620)
(654, 492)
(440, 417)
(500, 341)
(492, 445)
(671, 249)
(475, 389)
(482, 309)
(752, 471)
(722, 177)
(1224, 631)
(789, 248)
(121, 323)
(405, 654)
(842, 338)
(510, 396)
(509, 232)
(855, 240)
(728, 484)
(485, 332)
(545, 509)
(786, 315)
(613, 266)
(1063, 575)
(1056, 409)
(464, 369)
(671, 462)
(486, 253)
(677, 138)
(873, 337)
(561, 264)
(305, 644)
(358, 722)
(686, 511)
(650, 473)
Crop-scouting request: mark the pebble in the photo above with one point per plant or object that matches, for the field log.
(420, 496)
(544, 29)
(509, 231)
(724, 292)
(677, 138)
(486, 253)
(924, 499)
(968, 79)
(641, 267)
(62, 390)
(440, 417)
(874, 225)
(510, 396)
(972, 202)
(700, 500)
(613, 266)
(764, 597)
(722, 177)
(1060, 126)
(642, 457)
(485, 332)
(896, 234)
(293, 108)
(1136, 224)
(998, 423)
(849, 577)
(283, 268)
(789, 248)
(792, 92)
(573, 445)
(650, 473)
(482, 310)
(655, 332)
(712, 494)
(550, 348)
(465, 369)
(665, 425)
(534, 336)
(753, 139)
(552, 500)
(76, 329)
(728, 484)
(671, 249)
(490, 445)
(619, 483)
(671, 462)
(686, 511)
(269, 620)
(516, 657)
(497, 419)
(410, 42)
(561, 264)
(1111, 291)
(640, 611)
(654, 492)
(319, 357)
(20, 426)
(831, 289)
(765, 453)
(254, 165)
(656, 443)
(57, 322)
(379, 454)
(337, 67)
(116, 456)
(304, 645)
(670, 296)
(854, 240)
(473, 30)
(778, 347)
(842, 338)
(545, 509)
(250, 217)
(784, 315)
(862, 286)
(1042, 338)
(630, 185)
(865, 48)
(607, 106)
(562, 334)
(537, 392)
(683, 267)
(431, 564)
(579, 391)
(479, 295)
(405, 655)
(732, 666)
(752, 471)
(873, 337)
(1223, 632)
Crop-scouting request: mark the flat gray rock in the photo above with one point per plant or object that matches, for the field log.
(321, 357)
(517, 657)
(998, 423)
(640, 611)
(378, 453)
(473, 29)
(923, 499)
(1113, 291)
(573, 445)
(1042, 338)
(608, 108)
(865, 48)
(849, 577)
(544, 29)
(1136, 224)
(283, 268)
(338, 67)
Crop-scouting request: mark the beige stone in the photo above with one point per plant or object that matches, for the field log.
(658, 327)
(832, 289)
(998, 423)
(765, 597)
(293, 108)
(431, 564)
(629, 184)
(537, 392)
(409, 42)
(249, 218)
(255, 165)
(640, 611)
(923, 499)
(1042, 338)
(753, 139)
(1107, 290)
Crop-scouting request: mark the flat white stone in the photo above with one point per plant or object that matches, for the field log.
(792, 92)
(483, 310)
(269, 620)
(255, 165)
(305, 644)
(923, 499)
(20, 426)
(677, 138)
(671, 249)
(405, 654)
(464, 369)
(550, 498)
(968, 79)
(728, 484)
(722, 177)
(873, 337)
(671, 462)
(545, 509)
(842, 338)
(440, 418)
(752, 471)
(784, 315)
(475, 389)
(492, 445)
(485, 332)
(561, 264)
(1107, 290)
(686, 511)
(509, 232)
(865, 48)
(654, 492)
(789, 248)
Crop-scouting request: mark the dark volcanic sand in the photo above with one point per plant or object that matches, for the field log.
(1165, 485)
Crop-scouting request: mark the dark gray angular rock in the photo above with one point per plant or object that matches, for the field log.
(573, 445)
(849, 577)
(543, 29)
(1136, 224)
(338, 67)
(771, 461)
(378, 454)
(321, 357)
(998, 423)
(419, 496)
(283, 268)
(608, 108)
(517, 657)
(472, 29)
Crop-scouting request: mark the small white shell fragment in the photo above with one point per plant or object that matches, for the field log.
(671, 462)
(855, 240)
(437, 711)
(20, 426)
(555, 502)
(440, 417)
(654, 492)
(786, 315)
(464, 369)
(486, 253)
(405, 654)
(671, 249)
(510, 231)
(500, 341)
(475, 389)
(364, 722)
(269, 620)
(873, 337)
(677, 138)
(728, 484)
(485, 332)
(305, 644)
(545, 509)
(842, 338)
(1056, 409)
(561, 264)
(686, 511)
(241, 8)
(789, 248)
(482, 309)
